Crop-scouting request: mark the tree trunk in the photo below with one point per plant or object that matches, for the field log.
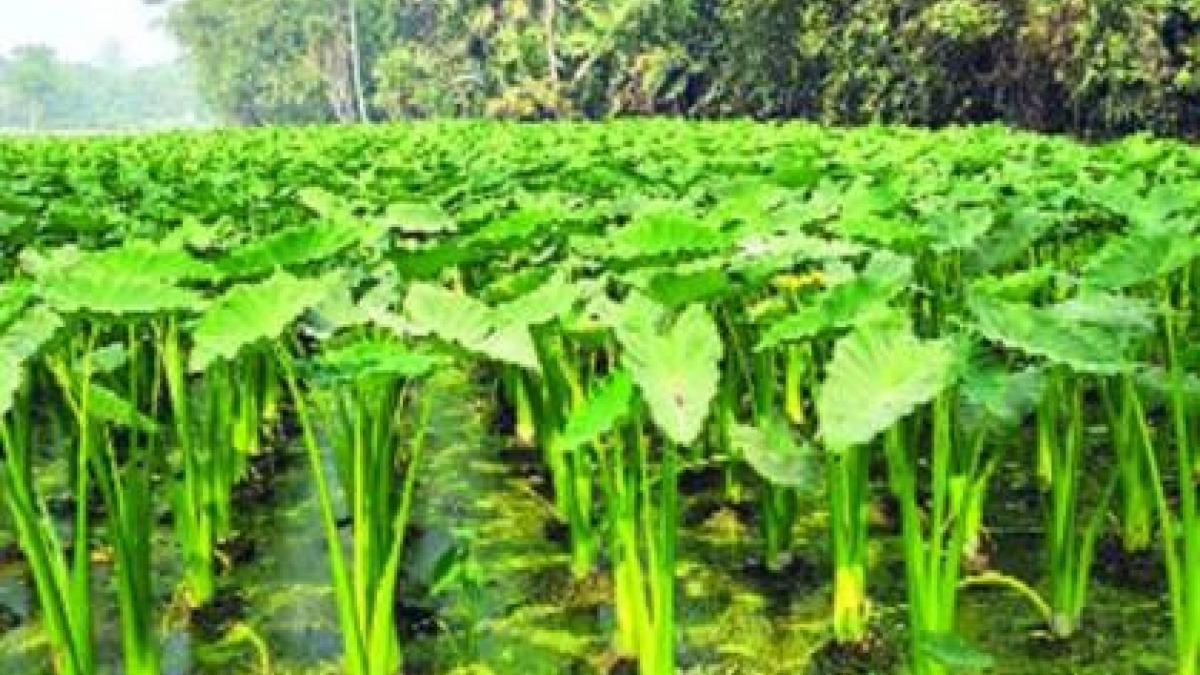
(550, 11)
(356, 61)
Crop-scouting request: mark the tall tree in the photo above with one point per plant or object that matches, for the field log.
(32, 76)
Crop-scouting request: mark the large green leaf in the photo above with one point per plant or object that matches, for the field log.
(250, 313)
(879, 374)
(446, 314)
(146, 259)
(106, 405)
(461, 319)
(608, 403)
(372, 357)
(1139, 257)
(659, 233)
(286, 248)
(1054, 335)
(138, 278)
(549, 301)
(994, 394)
(771, 449)
(677, 369)
(117, 294)
(21, 340)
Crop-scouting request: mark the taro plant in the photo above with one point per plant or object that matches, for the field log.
(365, 398)
(849, 299)
(526, 339)
(60, 572)
(1081, 336)
(117, 292)
(879, 374)
(675, 363)
(231, 343)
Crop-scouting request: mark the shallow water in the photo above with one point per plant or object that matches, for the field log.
(518, 610)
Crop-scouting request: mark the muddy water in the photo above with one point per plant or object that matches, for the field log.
(511, 606)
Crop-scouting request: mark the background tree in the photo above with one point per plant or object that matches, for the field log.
(32, 76)
(1089, 66)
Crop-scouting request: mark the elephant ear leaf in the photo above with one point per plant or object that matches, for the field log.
(772, 451)
(656, 233)
(290, 247)
(371, 357)
(678, 370)
(995, 396)
(1140, 256)
(106, 405)
(249, 313)
(879, 374)
(466, 321)
(137, 278)
(20, 341)
(608, 403)
(1089, 340)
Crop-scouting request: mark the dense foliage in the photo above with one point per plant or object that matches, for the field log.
(827, 315)
(1092, 66)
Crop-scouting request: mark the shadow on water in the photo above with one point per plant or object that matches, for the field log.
(512, 607)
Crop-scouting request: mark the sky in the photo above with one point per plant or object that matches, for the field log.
(82, 30)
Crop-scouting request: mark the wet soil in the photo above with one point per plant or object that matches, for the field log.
(486, 587)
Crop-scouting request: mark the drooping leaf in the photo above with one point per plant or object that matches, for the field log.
(451, 316)
(879, 374)
(137, 278)
(608, 403)
(1139, 257)
(20, 341)
(1108, 309)
(469, 323)
(552, 299)
(250, 313)
(771, 449)
(997, 395)
(1011, 239)
(145, 259)
(1049, 334)
(677, 369)
(510, 343)
(106, 405)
